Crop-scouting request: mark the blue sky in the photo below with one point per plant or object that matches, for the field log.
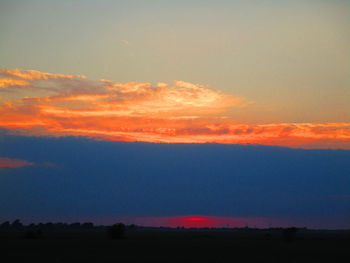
(87, 179)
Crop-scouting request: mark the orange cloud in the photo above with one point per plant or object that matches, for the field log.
(7, 82)
(137, 111)
(13, 163)
(20, 78)
(34, 74)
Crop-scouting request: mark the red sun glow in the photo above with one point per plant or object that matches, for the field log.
(194, 221)
(202, 221)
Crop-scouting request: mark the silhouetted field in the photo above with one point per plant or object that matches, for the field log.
(69, 243)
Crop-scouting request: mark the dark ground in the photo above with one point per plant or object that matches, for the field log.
(180, 245)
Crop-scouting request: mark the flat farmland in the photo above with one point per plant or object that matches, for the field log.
(169, 245)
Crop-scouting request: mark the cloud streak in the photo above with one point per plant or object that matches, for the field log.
(8, 82)
(137, 111)
(34, 74)
(13, 163)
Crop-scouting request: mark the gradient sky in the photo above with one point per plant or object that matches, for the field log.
(81, 179)
(274, 73)
(291, 58)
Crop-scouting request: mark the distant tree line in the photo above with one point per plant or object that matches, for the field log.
(17, 225)
(118, 230)
(115, 231)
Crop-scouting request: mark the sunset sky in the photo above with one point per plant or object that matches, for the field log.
(269, 73)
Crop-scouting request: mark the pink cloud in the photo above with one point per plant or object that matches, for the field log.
(13, 163)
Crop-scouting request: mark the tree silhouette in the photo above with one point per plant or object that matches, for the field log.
(5, 225)
(17, 224)
(289, 234)
(75, 225)
(87, 225)
(116, 231)
(33, 233)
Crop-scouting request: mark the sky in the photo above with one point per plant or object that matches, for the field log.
(177, 74)
(80, 179)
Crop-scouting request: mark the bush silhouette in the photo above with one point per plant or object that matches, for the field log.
(116, 231)
(75, 225)
(17, 224)
(87, 225)
(5, 225)
(33, 233)
(289, 234)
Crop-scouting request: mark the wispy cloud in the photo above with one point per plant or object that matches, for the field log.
(124, 42)
(13, 163)
(34, 74)
(137, 111)
(6, 162)
(8, 82)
